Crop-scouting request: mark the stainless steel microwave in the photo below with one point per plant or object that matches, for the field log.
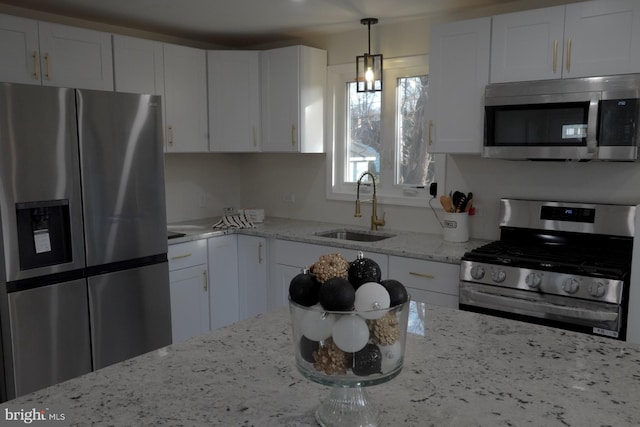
(592, 118)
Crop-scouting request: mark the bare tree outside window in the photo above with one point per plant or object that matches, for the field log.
(415, 166)
(364, 142)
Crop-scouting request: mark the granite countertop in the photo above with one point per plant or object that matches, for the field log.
(461, 369)
(403, 243)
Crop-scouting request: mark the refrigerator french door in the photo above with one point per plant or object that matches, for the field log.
(122, 175)
(43, 295)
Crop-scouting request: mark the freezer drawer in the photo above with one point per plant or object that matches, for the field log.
(130, 313)
(49, 335)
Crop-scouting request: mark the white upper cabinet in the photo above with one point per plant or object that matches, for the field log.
(592, 38)
(293, 87)
(19, 50)
(458, 74)
(185, 88)
(54, 55)
(602, 38)
(138, 65)
(234, 100)
(527, 45)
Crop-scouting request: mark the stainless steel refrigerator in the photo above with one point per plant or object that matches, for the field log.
(83, 225)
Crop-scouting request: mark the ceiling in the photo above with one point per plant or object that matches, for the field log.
(237, 22)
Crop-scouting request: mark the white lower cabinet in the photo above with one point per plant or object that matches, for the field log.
(252, 275)
(188, 284)
(289, 258)
(430, 282)
(223, 280)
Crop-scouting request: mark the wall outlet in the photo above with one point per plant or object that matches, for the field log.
(289, 197)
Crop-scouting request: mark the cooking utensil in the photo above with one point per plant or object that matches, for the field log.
(446, 203)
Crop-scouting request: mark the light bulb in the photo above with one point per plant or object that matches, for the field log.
(368, 75)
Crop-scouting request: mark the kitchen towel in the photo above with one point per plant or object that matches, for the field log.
(233, 221)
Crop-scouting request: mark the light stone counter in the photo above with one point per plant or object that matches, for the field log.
(403, 243)
(461, 369)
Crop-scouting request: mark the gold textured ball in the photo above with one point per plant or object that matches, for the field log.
(330, 266)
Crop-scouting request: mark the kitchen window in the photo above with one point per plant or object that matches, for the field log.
(384, 133)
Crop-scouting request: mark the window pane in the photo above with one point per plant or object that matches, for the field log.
(415, 166)
(363, 130)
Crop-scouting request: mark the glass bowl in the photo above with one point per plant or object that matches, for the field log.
(349, 350)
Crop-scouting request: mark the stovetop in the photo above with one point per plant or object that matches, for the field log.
(566, 258)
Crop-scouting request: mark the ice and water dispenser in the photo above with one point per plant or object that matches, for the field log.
(44, 233)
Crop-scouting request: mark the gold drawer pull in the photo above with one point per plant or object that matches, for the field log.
(48, 68)
(426, 276)
(36, 65)
(180, 256)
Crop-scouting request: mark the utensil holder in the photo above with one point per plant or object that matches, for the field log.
(456, 227)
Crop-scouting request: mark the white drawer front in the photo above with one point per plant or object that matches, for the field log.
(426, 275)
(188, 254)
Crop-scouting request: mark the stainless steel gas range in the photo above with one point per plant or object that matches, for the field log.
(566, 265)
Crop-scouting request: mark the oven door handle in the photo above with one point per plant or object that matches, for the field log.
(535, 305)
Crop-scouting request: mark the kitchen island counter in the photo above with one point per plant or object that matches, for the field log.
(461, 369)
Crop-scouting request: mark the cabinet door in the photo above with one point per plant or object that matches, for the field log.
(435, 282)
(252, 272)
(280, 99)
(458, 74)
(234, 101)
(602, 38)
(223, 280)
(138, 65)
(189, 302)
(279, 286)
(185, 82)
(75, 57)
(19, 50)
(527, 45)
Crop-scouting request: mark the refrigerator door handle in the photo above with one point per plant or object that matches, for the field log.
(206, 280)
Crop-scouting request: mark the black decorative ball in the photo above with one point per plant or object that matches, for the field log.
(397, 292)
(307, 348)
(367, 361)
(337, 294)
(363, 270)
(304, 289)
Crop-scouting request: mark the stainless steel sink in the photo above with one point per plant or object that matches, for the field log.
(355, 235)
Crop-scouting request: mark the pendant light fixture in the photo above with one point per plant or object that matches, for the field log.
(369, 67)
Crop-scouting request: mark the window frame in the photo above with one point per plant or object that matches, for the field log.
(387, 191)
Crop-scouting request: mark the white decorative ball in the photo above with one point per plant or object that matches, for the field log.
(371, 296)
(350, 333)
(317, 324)
(391, 355)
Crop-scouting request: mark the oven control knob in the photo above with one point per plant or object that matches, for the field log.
(597, 289)
(498, 276)
(571, 285)
(477, 272)
(533, 280)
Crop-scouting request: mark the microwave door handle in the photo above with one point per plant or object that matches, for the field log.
(592, 120)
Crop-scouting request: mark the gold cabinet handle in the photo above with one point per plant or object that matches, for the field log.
(206, 280)
(255, 138)
(47, 67)
(180, 256)
(36, 65)
(426, 276)
(555, 56)
(568, 55)
(293, 135)
(170, 135)
(259, 252)
(430, 127)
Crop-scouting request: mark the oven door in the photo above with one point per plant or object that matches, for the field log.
(569, 313)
